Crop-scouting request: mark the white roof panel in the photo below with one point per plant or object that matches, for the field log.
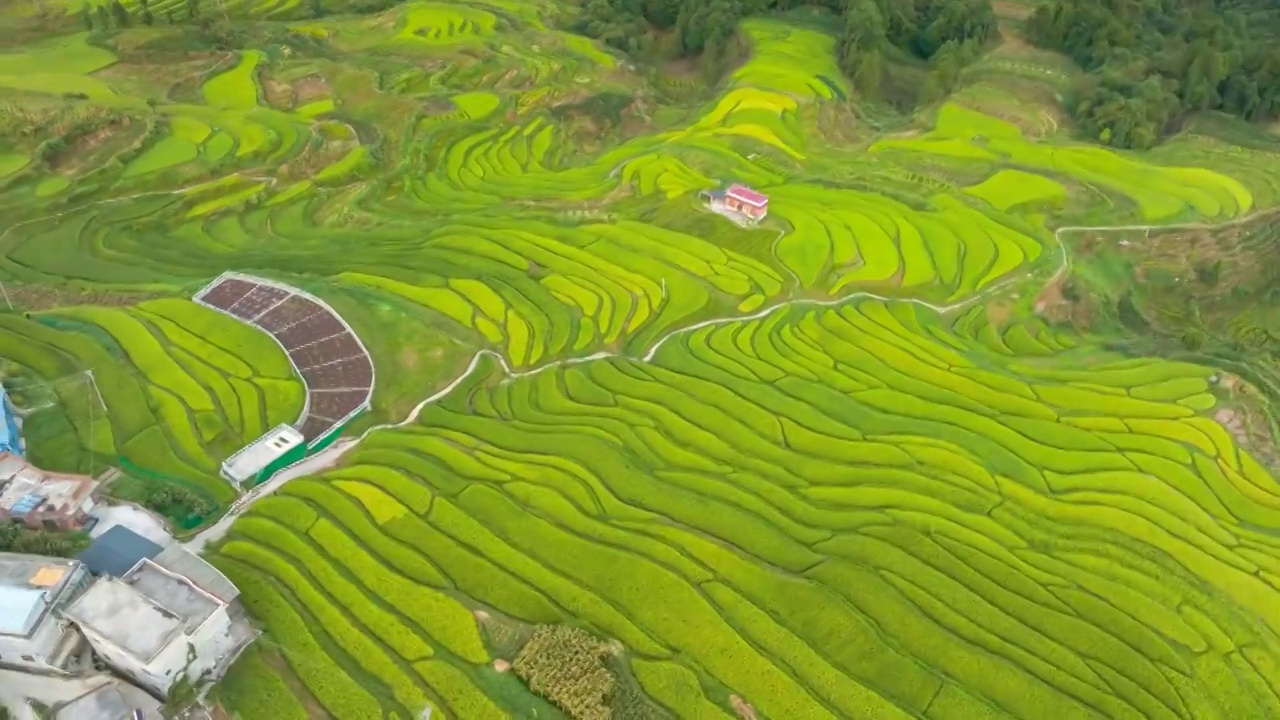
(19, 606)
(252, 458)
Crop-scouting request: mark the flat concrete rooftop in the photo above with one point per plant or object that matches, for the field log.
(125, 618)
(144, 611)
(175, 594)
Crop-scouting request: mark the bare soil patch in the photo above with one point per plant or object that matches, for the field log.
(684, 67)
(999, 312)
(412, 359)
(311, 87)
(839, 121)
(1059, 304)
(278, 95)
(35, 298)
(742, 708)
(1011, 10)
(1247, 422)
(315, 159)
(83, 149)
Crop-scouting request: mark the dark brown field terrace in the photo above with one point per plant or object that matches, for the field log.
(311, 330)
(314, 427)
(355, 373)
(334, 403)
(289, 312)
(335, 367)
(226, 293)
(258, 301)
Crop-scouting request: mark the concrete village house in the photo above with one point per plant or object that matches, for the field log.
(170, 615)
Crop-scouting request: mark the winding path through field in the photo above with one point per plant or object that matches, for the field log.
(331, 455)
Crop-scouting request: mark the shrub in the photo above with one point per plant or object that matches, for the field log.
(566, 665)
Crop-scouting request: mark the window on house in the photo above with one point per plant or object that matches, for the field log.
(28, 658)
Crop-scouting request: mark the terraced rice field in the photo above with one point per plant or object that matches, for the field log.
(832, 465)
(175, 387)
(849, 512)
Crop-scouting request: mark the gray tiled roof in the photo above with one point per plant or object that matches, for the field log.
(116, 551)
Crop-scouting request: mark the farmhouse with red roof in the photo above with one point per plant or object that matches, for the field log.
(740, 198)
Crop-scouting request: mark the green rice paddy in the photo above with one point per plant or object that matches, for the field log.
(830, 466)
(1008, 189)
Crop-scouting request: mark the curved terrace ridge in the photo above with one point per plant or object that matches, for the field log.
(334, 365)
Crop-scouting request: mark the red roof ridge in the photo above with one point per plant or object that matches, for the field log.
(746, 194)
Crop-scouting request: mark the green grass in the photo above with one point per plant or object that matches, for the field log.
(1008, 189)
(1161, 193)
(52, 186)
(254, 687)
(57, 66)
(477, 105)
(166, 153)
(236, 88)
(11, 163)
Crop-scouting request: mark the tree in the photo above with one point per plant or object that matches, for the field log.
(613, 25)
(193, 8)
(944, 74)
(661, 13)
(860, 50)
(1209, 273)
(1193, 339)
(1150, 61)
(86, 16)
(315, 8)
(958, 21)
(1127, 107)
(147, 17)
(104, 21)
(55, 543)
(120, 14)
(176, 502)
(868, 28)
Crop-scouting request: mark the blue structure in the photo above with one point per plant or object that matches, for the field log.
(27, 503)
(116, 551)
(10, 438)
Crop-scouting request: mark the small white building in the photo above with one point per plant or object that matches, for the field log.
(256, 461)
(156, 625)
(33, 591)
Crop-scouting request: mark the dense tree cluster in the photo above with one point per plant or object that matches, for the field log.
(176, 502)
(1150, 61)
(16, 538)
(870, 29)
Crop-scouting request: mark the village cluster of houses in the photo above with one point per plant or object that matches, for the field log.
(155, 616)
(150, 616)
